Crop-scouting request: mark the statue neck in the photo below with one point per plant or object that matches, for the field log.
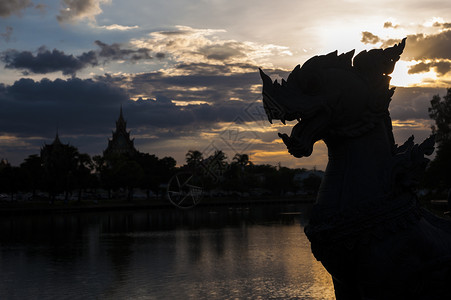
(358, 170)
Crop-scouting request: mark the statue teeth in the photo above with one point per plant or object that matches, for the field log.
(283, 121)
(299, 120)
(269, 119)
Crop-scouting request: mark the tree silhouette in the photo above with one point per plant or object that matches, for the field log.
(11, 179)
(59, 162)
(194, 158)
(129, 174)
(440, 112)
(62, 169)
(437, 174)
(82, 176)
(166, 168)
(33, 171)
(103, 173)
(150, 180)
(242, 159)
(215, 165)
(236, 176)
(120, 171)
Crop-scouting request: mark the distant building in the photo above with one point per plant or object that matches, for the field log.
(52, 150)
(121, 142)
(58, 155)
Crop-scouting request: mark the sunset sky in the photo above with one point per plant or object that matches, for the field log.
(186, 72)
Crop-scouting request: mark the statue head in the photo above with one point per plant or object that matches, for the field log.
(332, 95)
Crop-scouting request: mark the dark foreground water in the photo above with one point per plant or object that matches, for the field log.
(251, 252)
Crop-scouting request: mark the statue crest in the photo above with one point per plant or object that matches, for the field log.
(348, 95)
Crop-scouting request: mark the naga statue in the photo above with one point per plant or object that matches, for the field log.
(366, 227)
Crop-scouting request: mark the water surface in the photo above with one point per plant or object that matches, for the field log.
(249, 252)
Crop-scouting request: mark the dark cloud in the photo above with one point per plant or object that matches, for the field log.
(441, 67)
(434, 46)
(420, 68)
(419, 46)
(7, 34)
(369, 38)
(175, 32)
(33, 108)
(115, 52)
(46, 61)
(223, 52)
(9, 7)
(85, 112)
(412, 103)
(214, 84)
(160, 113)
(30, 109)
(208, 69)
(423, 48)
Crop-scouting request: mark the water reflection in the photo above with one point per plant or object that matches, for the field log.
(205, 253)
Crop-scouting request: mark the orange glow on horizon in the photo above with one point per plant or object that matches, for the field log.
(410, 124)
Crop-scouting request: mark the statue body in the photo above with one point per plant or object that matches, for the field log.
(366, 227)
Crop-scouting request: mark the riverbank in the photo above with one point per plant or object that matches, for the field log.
(43, 207)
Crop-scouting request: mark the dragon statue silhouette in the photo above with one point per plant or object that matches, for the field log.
(366, 226)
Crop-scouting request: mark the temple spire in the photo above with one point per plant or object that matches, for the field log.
(121, 142)
(57, 140)
(121, 124)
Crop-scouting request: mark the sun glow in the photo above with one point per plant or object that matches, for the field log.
(402, 78)
(185, 103)
(410, 124)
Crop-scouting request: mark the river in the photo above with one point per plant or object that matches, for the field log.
(218, 252)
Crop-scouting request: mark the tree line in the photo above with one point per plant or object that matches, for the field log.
(438, 173)
(67, 173)
(60, 171)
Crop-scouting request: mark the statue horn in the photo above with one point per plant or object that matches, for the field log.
(266, 79)
(396, 51)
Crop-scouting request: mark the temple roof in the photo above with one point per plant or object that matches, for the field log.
(121, 142)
